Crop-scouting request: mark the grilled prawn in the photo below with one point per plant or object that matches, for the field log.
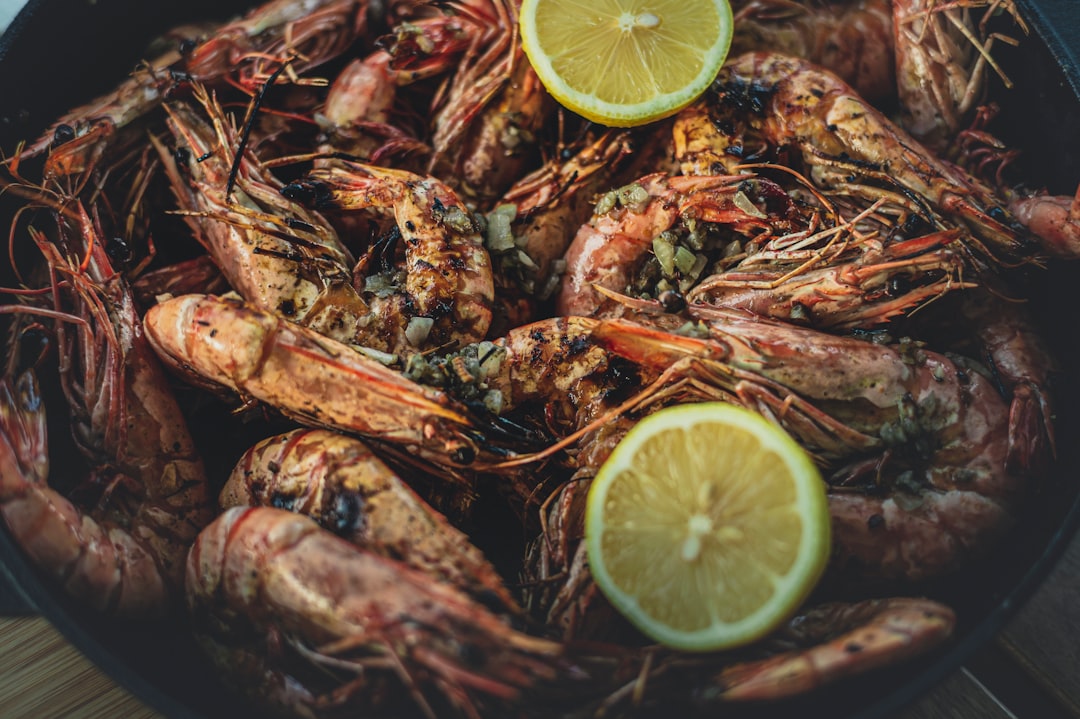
(350, 628)
(339, 482)
(122, 552)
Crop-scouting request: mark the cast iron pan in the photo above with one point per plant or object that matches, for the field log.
(57, 54)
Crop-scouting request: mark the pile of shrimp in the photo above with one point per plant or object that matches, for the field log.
(367, 244)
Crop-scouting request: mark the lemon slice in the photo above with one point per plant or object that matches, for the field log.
(626, 62)
(707, 527)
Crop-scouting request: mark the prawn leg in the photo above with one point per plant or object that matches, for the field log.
(885, 632)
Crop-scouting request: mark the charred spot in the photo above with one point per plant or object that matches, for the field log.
(488, 355)
(818, 93)
(457, 263)
(295, 224)
(274, 467)
(875, 521)
(423, 265)
(576, 345)
(213, 333)
(725, 126)
(309, 193)
(441, 309)
(622, 379)
(537, 335)
(187, 46)
(63, 133)
(744, 96)
(346, 514)
(863, 164)
(853, 647)
(410, 226)
(282, 501)
(287, 308)
(437, 207)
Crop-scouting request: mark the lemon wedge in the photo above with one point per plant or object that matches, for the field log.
(625, 62)
(707, 527)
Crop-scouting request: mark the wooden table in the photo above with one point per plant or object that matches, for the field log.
(1031, 671)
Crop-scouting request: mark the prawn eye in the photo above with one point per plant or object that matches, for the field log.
(182, 155)
(673, 302)
(63, 133)
(119, 251)
(179, 76)
(187, 45)
(899, 285)
(915, 225)
(463, 454)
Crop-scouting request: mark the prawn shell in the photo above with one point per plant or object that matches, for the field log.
(340, 482)
(308, 377)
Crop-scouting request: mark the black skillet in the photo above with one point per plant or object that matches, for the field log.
(57, 54)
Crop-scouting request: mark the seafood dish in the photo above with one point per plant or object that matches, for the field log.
(320, 322)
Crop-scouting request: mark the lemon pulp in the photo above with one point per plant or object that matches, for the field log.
(625, 62)
(707, 527)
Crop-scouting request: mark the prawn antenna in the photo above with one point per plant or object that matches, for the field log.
(249, 122)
